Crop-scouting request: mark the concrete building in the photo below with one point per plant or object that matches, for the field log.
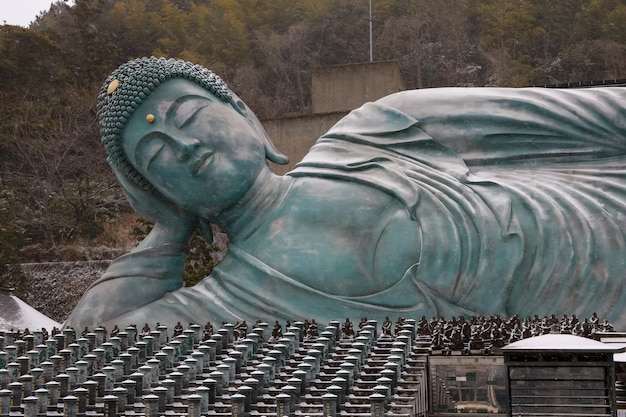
(335, 91)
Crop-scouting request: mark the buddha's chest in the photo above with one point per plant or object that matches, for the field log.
(355, 245)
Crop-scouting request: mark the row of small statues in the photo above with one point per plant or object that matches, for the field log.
(309, 328)
(19, 334)
(479, 333)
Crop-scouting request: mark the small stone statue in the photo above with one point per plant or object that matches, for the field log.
(347, 329)
(312, 330)
(178, 329)
(399, 323)
(423, 328)
(477, 345)
(437, 341)
(606, 326)
(208, 331)
(115, 331)
(362, 322)
(455, 342)
(386, 328)
(277, 331)
(145, 331)
(241, 330)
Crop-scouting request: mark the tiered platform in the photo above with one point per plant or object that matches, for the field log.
(227, 373)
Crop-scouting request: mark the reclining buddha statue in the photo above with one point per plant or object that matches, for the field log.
(444, 201)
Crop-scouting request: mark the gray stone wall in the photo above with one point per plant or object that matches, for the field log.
(335, 91)
(294, 136)
(56, 287)
(347, 87)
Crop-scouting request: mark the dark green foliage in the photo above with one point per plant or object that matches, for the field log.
(201, 260)
(11, 275)
(202, 256)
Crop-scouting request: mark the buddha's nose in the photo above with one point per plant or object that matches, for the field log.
(186, 146)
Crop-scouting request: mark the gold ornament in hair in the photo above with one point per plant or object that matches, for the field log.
(113, 86)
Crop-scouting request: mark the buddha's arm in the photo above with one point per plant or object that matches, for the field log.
(136, 279)
(496, 124)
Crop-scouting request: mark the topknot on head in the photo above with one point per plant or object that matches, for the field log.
(126, 88)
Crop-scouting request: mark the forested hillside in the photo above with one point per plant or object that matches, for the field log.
(57, 196)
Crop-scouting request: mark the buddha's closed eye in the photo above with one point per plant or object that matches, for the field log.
(193, 116)
(149, 149)
(186, 110)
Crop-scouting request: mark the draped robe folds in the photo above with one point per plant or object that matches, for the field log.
(519, 196)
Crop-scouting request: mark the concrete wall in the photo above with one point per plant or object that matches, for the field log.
(56, 287)
(347, 87)
(294, 136)
(336, 91)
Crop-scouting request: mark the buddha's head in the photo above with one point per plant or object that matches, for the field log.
(175, 129)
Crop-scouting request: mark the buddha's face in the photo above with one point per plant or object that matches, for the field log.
(195, 149)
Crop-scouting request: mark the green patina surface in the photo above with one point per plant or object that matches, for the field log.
(428, 202)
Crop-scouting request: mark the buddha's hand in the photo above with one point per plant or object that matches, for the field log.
(172, 224)
(152, 270)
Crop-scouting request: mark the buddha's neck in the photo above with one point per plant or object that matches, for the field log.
(266, 193)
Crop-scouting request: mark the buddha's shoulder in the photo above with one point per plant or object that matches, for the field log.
(328, 200)
(338, 189)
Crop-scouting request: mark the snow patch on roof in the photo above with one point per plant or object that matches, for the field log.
(16, 314)
(561, 343)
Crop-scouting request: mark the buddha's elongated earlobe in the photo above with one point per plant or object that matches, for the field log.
(273, 154)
